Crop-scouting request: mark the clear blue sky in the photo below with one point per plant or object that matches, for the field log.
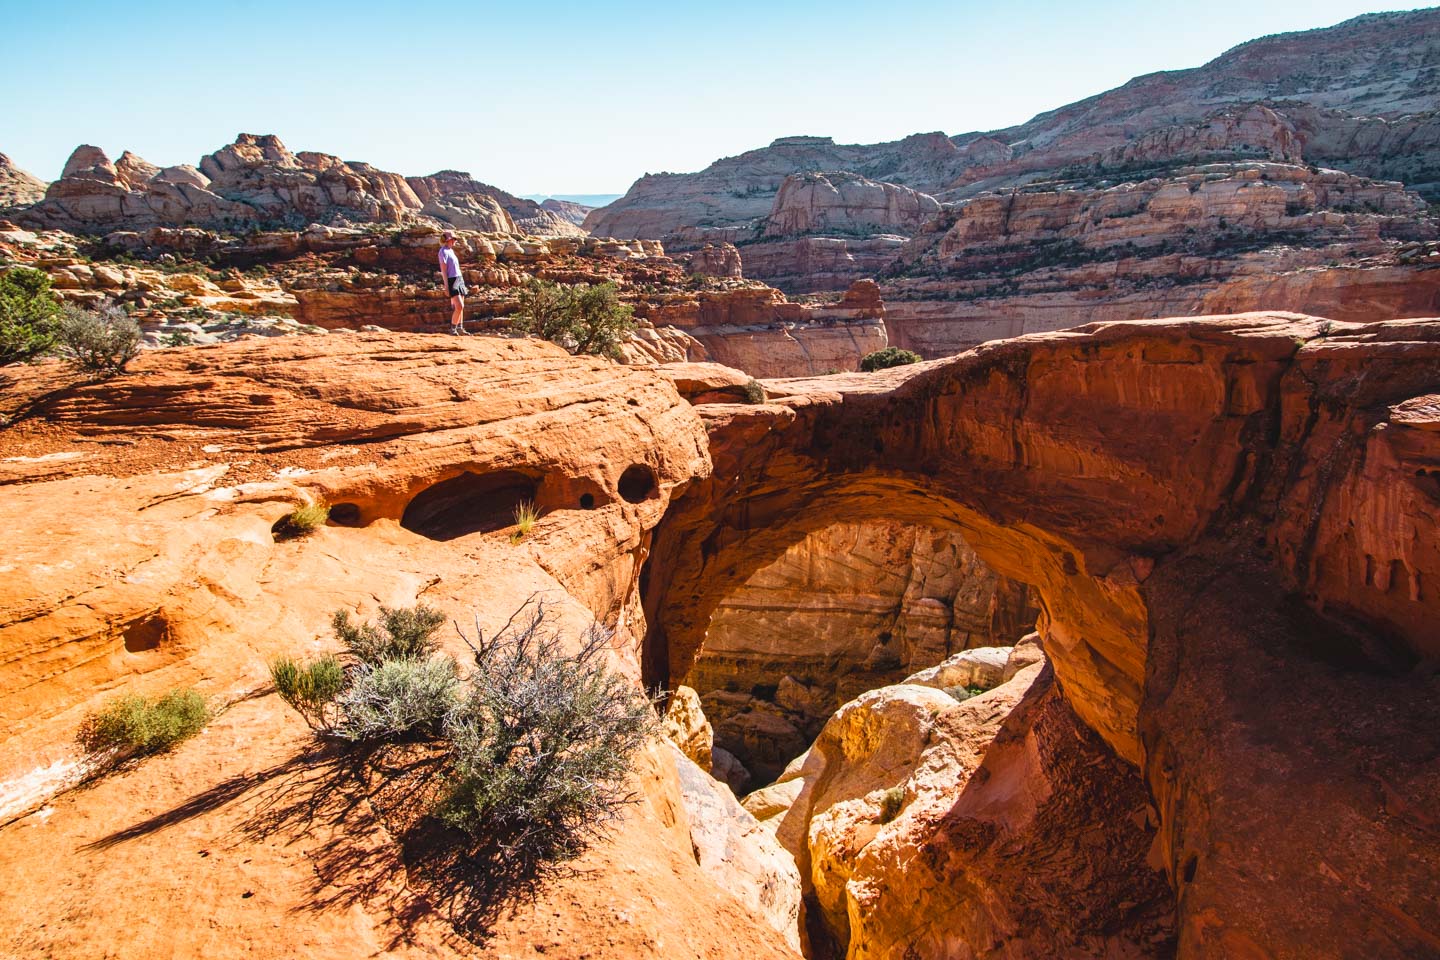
(576, 97)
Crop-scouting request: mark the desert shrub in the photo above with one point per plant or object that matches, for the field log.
(406, 633)
(582, 318)
(138, 725)
(525, 517)
(29, 315)
(311, 688)
(754, 391)
(396, 699)
(97, 341)
(302, 521)
(889, 357)
(963, 693)
(890, 803)
(541, 741)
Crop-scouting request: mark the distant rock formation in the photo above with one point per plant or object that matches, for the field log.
(258, 183)
(18, 188)
(450, 194)
(847, 203)
(1359, 97)
(574, 212)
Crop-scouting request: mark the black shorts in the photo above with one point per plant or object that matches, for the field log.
(455, 286)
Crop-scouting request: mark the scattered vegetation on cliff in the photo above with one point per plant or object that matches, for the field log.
(754, 391)
(582, 318)
(29, 315)
(889, 357)
(302, 521)
(99, 342)
(135, 725)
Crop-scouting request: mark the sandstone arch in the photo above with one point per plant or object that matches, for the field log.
(1190, 499)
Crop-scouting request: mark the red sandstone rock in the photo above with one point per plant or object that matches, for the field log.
(1165, 486)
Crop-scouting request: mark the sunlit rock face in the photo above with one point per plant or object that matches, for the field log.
(851, 607)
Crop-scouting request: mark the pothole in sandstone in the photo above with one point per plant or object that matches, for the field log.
(848, 609)
(469, 503)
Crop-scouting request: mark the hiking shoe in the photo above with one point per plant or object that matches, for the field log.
(459, 332)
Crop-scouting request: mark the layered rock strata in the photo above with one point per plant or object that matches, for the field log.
(1203, 240)
(17, 188)
(1184, 496)
(186, 285)
(850, 608)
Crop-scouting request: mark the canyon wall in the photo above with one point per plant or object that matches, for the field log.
(1185, 497)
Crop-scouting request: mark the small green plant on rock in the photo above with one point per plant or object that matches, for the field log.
(890, 803)
(525, 517)
(754, 391)
(136, 725)
(311, 689)
(99, 342)
(889, 357)
(302, 521)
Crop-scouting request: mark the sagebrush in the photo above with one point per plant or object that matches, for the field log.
(403, 633)
(542, 739)
(99, 342)
(535, 740)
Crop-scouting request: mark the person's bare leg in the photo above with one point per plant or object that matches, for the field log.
(457, 316)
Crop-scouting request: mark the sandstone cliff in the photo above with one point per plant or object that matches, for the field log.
(1194, 240)
(1363, 92)
(1229, 524)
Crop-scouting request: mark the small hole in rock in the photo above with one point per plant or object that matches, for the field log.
(587, 501)
(637, 483)
(1188, 870)
(345, 514)
(144, 634)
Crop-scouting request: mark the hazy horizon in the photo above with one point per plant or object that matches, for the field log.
(632, 89)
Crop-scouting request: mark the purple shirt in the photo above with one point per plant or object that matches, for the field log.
(449, 262)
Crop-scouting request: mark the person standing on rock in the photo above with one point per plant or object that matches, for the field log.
(453, 282)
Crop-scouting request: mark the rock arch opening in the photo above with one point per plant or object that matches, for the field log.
(468, 504)
(849, 608)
